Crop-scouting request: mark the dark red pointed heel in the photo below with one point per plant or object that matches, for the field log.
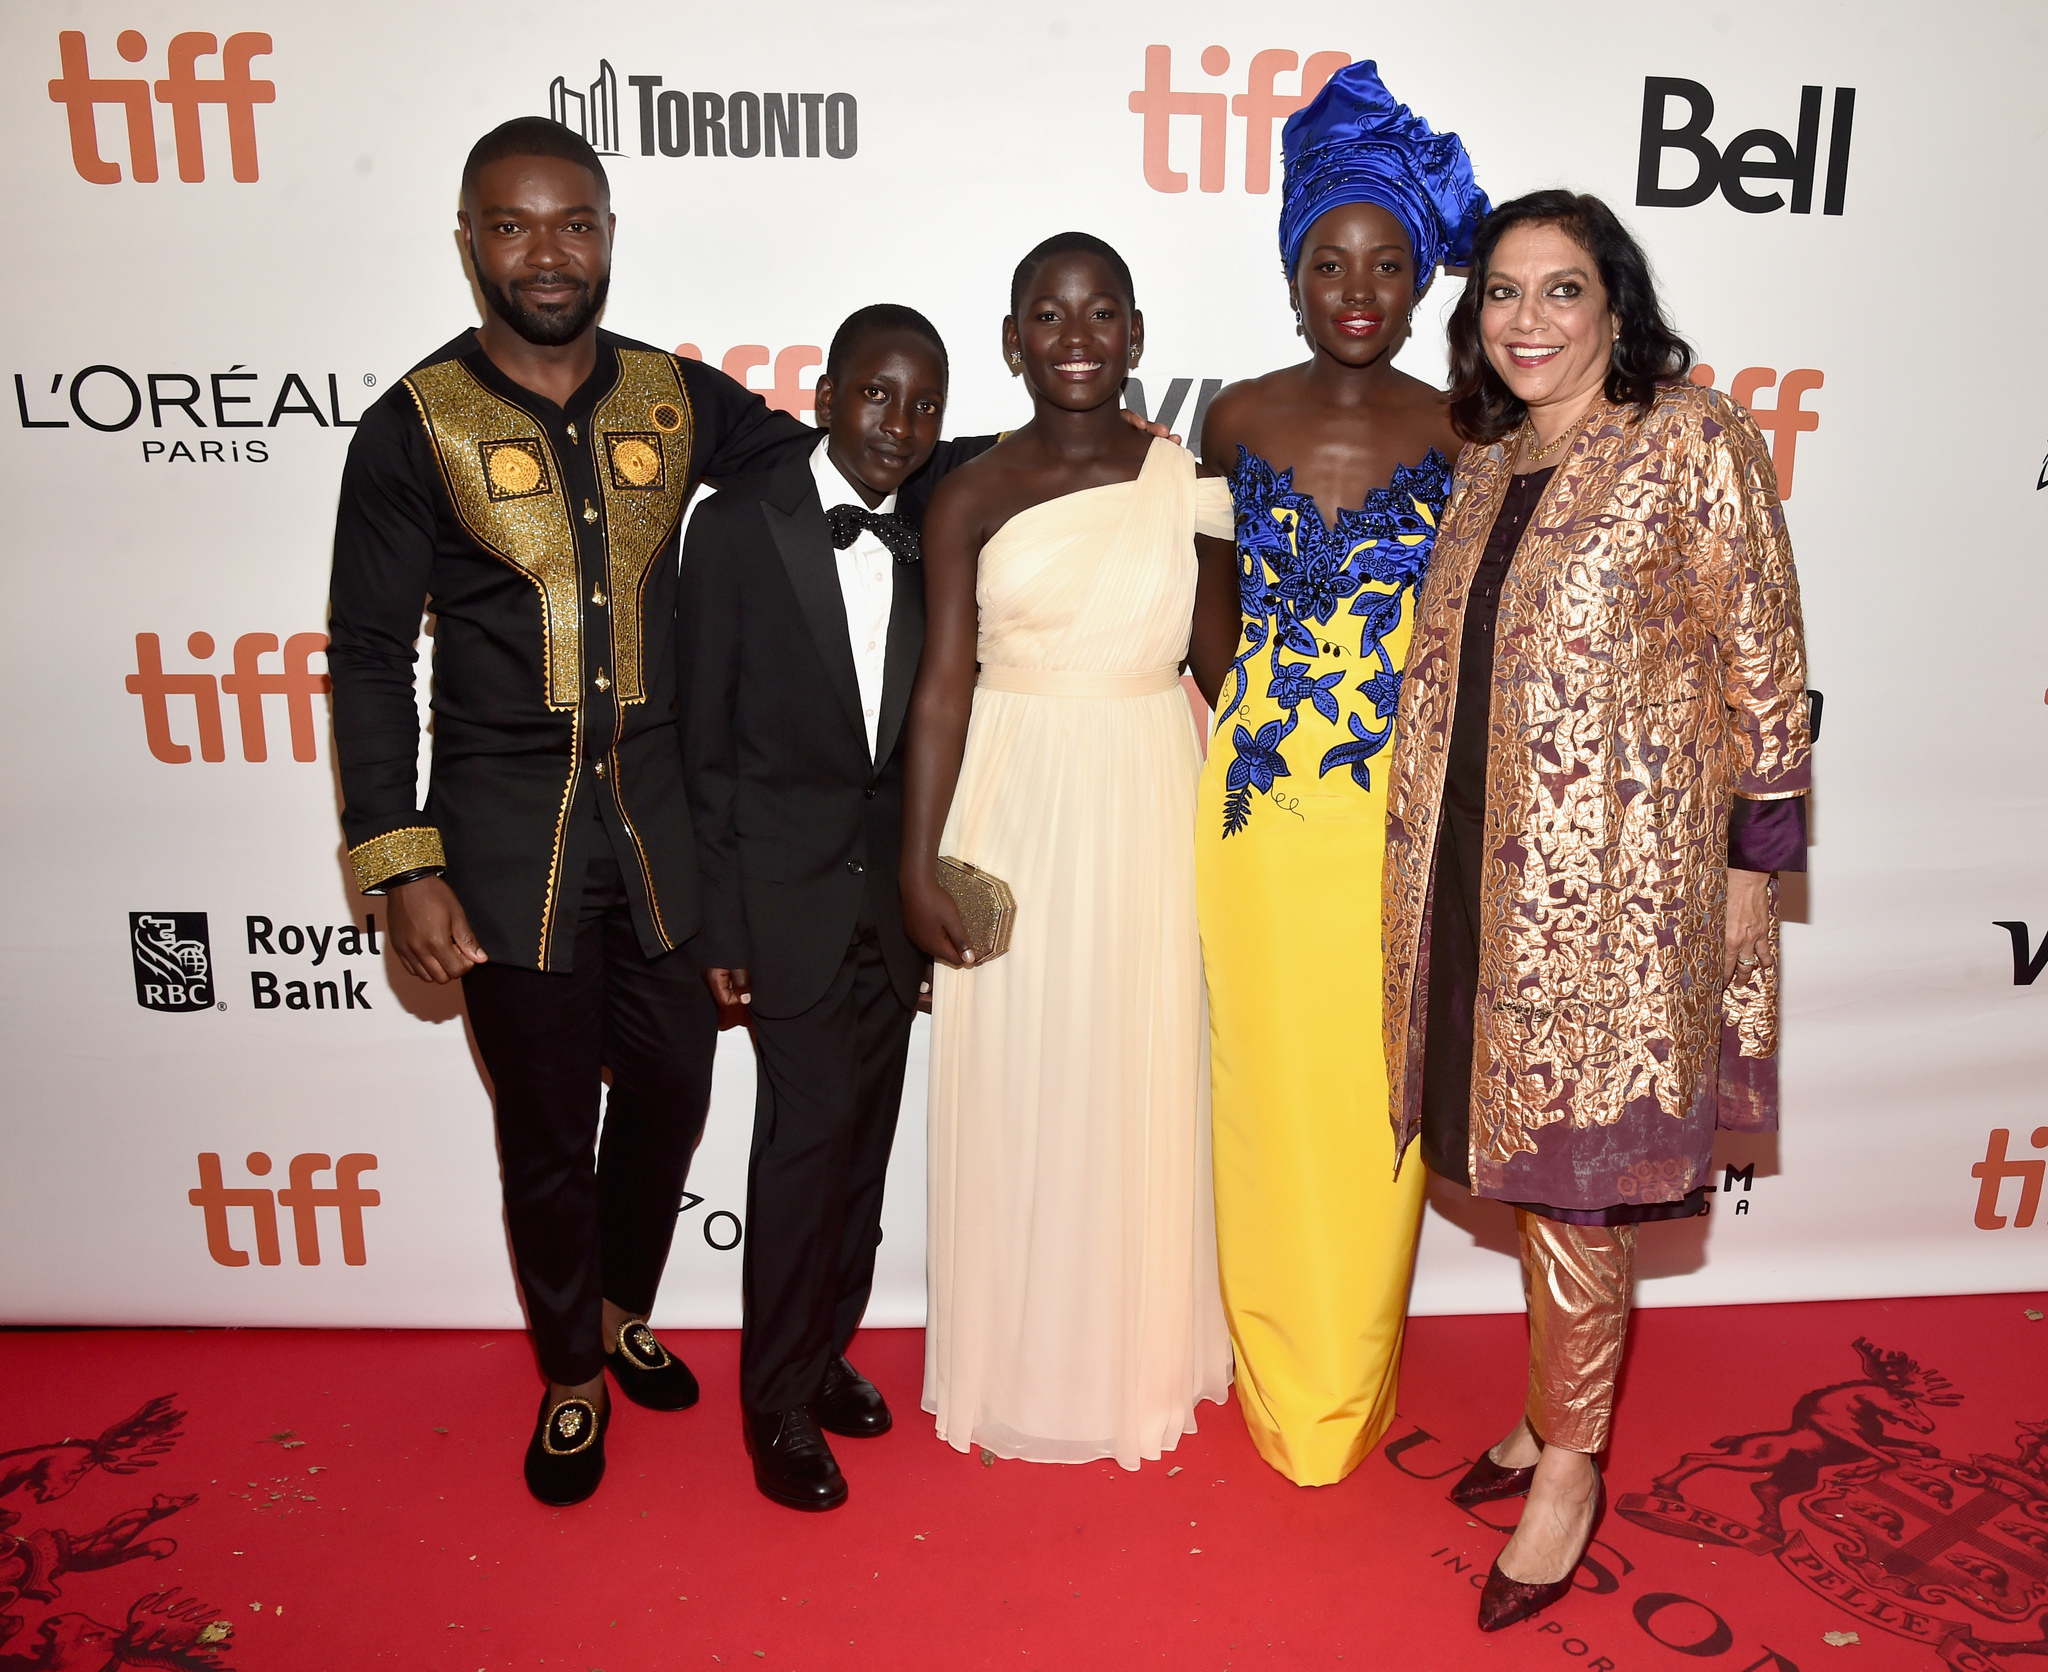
(1487, 1481)
(1506, 1602)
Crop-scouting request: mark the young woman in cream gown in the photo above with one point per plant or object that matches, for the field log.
(1074, 1304)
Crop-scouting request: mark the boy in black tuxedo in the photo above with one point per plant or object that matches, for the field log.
(800, 626)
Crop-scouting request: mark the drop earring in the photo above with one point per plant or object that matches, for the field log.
(1016, 365)
(1134, 359)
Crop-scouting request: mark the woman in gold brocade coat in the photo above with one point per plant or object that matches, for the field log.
(1601, 757)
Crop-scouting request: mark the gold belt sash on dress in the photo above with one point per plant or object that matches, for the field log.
(1059, 682)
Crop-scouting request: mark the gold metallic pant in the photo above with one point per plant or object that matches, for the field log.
(1577, 1280)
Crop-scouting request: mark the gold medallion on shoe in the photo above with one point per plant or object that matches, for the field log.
(647, 1372)
(571, 1427)
(637, 1342)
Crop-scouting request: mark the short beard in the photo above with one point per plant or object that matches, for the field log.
(553, 327)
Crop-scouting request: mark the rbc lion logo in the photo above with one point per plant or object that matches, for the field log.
(1948, 1553)
(173, 960)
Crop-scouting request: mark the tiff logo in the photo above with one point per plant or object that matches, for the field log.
(305, 1199)
(1793, 161)
(1995, 1169)
(787, 394)
(183, 89)
(1785, 422)
(2025, 966)
(249, 684)
(1262, 105)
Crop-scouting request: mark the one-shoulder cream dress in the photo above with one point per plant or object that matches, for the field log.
(1074, 1302)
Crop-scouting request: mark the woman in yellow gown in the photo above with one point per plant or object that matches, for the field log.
(1339, 468)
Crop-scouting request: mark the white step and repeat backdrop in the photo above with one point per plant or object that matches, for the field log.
(234, 225)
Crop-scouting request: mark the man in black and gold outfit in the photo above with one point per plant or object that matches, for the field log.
(524, 483)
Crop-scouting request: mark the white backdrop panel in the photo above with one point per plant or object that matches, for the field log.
(201, 527)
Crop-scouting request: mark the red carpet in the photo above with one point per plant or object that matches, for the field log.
(345, 1500)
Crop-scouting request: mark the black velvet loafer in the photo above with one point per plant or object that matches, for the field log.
(565, 1458)
(849, 1404)
(792, 1462)
(648, 1373)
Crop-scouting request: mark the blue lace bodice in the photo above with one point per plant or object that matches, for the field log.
(1301, 585)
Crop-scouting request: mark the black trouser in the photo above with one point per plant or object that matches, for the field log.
(829, 1083)
(1453, 990)
(584, 1234)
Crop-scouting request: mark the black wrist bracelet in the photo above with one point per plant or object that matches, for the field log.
(404, 877)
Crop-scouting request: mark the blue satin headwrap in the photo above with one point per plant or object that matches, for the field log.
(1355, 143)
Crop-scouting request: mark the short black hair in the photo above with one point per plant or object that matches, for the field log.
(1069, 243)
(877, 317)
(1647, 352)
(533, 136)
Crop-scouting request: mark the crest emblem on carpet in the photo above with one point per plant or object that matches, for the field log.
(1853, 1503)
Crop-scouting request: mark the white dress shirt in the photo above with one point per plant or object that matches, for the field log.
(867, 584)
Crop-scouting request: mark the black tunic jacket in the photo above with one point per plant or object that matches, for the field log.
(797, 823)
(542, 540)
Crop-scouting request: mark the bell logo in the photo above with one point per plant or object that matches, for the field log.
(173, 960)
(346, 1196)
(1756, 154)
(249, 684)
(183, 89)
(1262, 105)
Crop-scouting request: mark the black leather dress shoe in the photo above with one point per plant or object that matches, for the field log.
(792, 1463)
(565, 1458)
(849, 1404)
(648, 1373)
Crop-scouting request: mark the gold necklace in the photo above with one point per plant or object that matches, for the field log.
(1538, 454)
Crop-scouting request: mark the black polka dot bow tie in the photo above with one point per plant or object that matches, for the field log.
(897, 533)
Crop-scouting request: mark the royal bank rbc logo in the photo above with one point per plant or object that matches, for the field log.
(173, 960)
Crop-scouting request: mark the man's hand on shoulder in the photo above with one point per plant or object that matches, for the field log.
(430, 932)
(1138, 421)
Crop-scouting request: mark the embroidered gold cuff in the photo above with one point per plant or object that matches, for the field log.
(395, 851)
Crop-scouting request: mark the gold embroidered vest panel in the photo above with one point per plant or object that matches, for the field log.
(506, 485)
(644, 434)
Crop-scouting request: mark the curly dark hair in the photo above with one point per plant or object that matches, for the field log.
(1647, 352)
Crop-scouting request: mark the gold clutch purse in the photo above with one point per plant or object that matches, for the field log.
(987, 907)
